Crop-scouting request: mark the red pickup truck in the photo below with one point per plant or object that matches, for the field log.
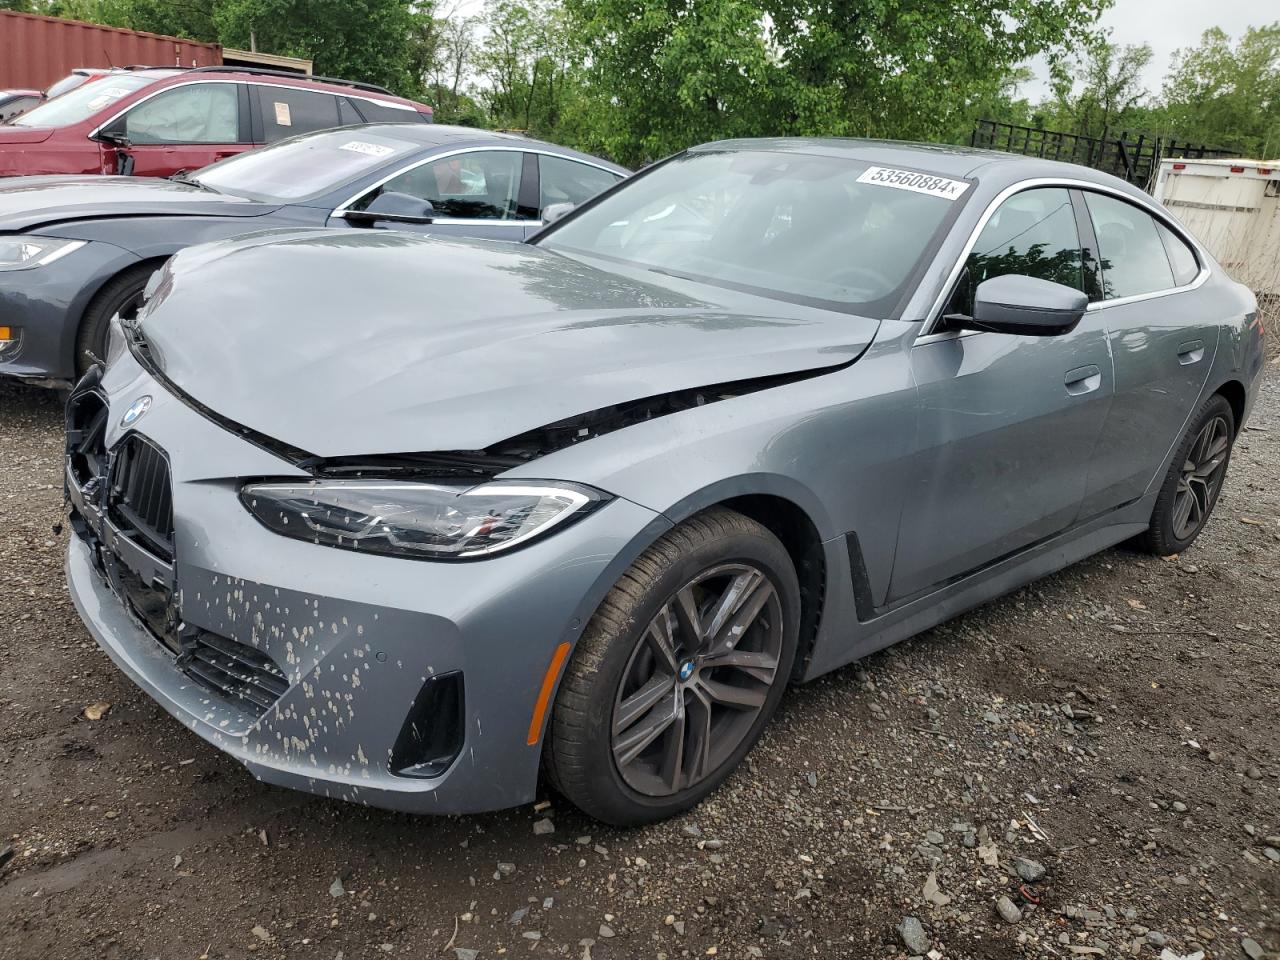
(157, 122)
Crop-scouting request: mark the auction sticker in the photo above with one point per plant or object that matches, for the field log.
(369, 149)
(928, 183)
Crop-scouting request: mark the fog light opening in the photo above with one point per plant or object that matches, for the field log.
(432, 735)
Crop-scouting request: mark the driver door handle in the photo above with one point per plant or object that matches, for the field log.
(1083, 380)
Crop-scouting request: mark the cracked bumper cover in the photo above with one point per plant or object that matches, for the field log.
(356, 635)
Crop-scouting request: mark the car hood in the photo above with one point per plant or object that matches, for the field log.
(15, 135)
(359, 342)
(27, 202)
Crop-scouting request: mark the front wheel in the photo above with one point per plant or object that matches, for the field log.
(1194, 481)
(121, 295)
(678, 672)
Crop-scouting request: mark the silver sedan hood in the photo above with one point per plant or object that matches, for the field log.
(353, 342)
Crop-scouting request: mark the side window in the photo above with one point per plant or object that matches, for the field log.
(287, 111)
(1181, 257)
(375, 112)
(568, 181)
(347, 114)
(1032, 233)
(482, 185)
(195, 113)
(1133, 257)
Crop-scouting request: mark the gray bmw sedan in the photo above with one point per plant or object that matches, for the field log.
(406, 520)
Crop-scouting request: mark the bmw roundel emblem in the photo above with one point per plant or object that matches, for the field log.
(136, 410)
(686, 670)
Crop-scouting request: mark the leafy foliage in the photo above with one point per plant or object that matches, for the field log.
(1228, 95)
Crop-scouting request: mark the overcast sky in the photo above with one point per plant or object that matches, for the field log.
(1169, 25)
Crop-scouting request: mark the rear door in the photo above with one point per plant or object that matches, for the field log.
(564, 180)
(1163, 334)
(1007, 423)
(185, 127)
(282, 111)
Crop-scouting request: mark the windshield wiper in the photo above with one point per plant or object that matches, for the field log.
(184, 177)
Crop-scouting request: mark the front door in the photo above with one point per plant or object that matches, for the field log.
(1007, 423)
(182, 128)
(476, 193)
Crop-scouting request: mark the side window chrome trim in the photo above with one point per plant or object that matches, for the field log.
(929, 335)
(341, 209)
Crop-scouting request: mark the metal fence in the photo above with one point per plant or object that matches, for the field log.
(1135, 159)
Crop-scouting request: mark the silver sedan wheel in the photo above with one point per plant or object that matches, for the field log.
(697, 679)
(1202, 474)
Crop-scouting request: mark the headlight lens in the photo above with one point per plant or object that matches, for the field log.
(418, 520)
(22, 253)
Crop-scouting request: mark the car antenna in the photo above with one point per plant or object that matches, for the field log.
(108, 56)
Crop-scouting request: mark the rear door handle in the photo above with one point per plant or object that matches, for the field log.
(1083, 380)
(1191, 352)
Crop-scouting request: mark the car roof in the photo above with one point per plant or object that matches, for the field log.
(20, 92)
(444, 135)
(946, 159)
(276, 80)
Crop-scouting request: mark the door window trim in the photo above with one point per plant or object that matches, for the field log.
(928, 334)
(340, 211)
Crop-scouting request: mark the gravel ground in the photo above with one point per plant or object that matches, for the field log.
(1089, 767)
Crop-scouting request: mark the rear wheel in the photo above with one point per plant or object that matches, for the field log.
(122, 295)
(678, 672)
(1194, 481)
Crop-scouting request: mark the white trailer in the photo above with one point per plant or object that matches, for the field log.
(1233, 208)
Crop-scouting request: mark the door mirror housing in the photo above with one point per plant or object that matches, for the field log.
(554, 211)
(400, 207)
(1025, 306)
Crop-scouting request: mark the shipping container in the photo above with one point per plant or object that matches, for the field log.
(1233, 208)
(35, 51)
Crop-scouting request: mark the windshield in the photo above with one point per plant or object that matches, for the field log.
(304, 166)
(70, 82)
(84, 101)
(811, 229)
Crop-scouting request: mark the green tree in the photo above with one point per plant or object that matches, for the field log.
(527, 65)
(1226, 95)
(1099, 91)
(368, 40)
(672, 74)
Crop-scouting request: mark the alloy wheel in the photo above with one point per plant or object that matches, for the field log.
(1202, 474)
(697, 680)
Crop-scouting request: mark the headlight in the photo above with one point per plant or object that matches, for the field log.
(22, 253)
(418, 520)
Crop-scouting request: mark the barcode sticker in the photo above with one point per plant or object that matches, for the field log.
(929, 183)
(369, 149)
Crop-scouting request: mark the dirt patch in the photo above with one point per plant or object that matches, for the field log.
(1115, 723)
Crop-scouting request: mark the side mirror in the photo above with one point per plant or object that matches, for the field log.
(554, 211)
(1026, 306)
(401, 207)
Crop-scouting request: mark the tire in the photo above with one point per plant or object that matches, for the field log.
(712, 560)
(123, 292)
(1169, 533)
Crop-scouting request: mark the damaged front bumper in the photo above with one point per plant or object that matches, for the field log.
(397, 683)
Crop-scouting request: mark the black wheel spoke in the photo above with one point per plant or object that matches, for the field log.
(729, 695)
(632, 743)
(755, 664)
(662, 641)
(642, 701)
(699, 749)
